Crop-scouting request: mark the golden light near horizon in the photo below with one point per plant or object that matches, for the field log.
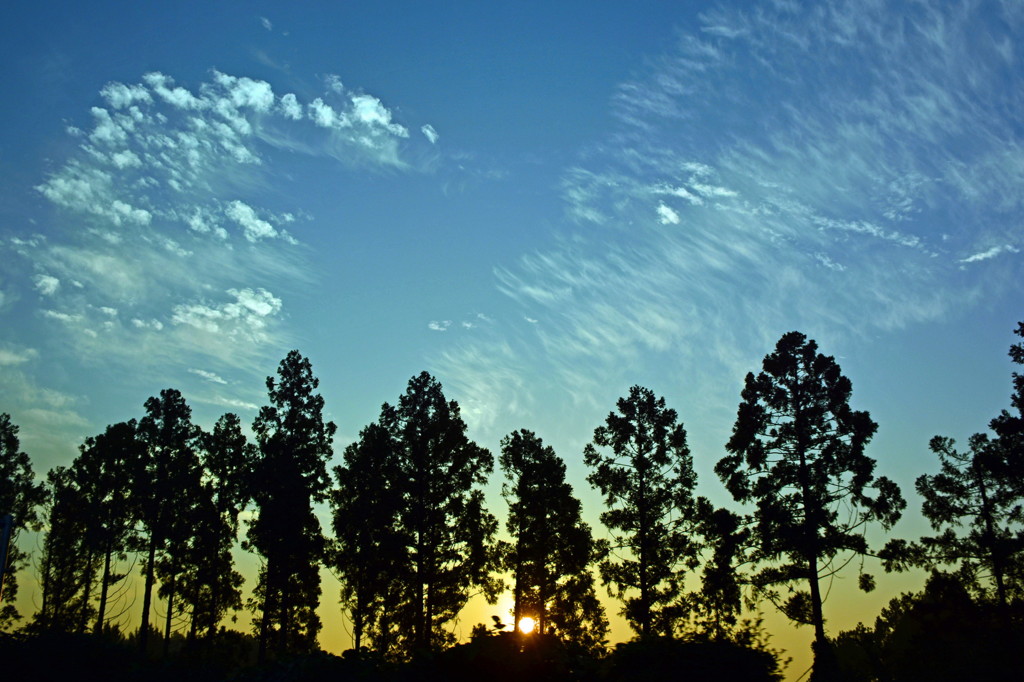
(526, 625)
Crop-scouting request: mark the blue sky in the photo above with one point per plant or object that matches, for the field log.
(540, 205)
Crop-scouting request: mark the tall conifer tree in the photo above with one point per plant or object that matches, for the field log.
(797, 454)
(163, 480)
(66, 565)
(289, 476)
(369, 545)
(20, 496)
(643, 467)
(552, 549)
(103, 476)
(449, 534)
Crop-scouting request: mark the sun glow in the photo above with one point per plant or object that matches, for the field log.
(526, 625)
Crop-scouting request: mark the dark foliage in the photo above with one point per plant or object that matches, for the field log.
(551, 549)
(940, 634)
(662, 658)
(448, 534)
(366, 505)
(797, 454)
(642, 465)
(20, 496)
(289, 475)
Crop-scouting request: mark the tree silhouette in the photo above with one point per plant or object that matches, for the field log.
(940, 633)
(971, 493)
(211, 584)
(66, 567)
(289, 476)
(552, 548)
(20, 495)
(647, 480)
(163, 485)
(1009, 426)
(976, 505)
(715, 610)
(450, 546)
(103, 474)
(366, 504)
(798, 455)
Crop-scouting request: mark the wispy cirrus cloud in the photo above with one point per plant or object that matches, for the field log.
(827, 169)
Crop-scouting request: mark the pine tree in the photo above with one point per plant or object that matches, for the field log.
(211, 585)
(449, 533)
(163, 484)
(103, 478)
(20, 496)
(366, 504)
(289, 476)
(975, 505)
(645, 472)
(67, 565)
(552, 549)
(797, 454)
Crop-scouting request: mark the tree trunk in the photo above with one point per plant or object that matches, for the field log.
(83, 625)
(103, 591)
(517, 607)
(817, 615)
(147, 595)
(268, 607)
(998, 568)
(167, 621)
(645, 597)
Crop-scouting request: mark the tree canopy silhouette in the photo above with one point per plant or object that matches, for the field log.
(366, 504)
(449, 534)
(289, 475)
(645, 472)
(976, 506)
(103, 474)
(797, 454)
(164, 485)
(551, 548)
(20, 495)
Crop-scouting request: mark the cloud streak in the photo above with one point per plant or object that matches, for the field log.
(823, 169)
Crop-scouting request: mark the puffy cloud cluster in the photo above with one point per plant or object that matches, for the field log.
(245, 318)
(163, 202)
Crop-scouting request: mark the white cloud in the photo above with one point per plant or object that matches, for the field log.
(245, 318)
(164, 88)
(120, 96)
(666, 216)
(334, 84)
(66, 318)
(439, 325)
(290, 107)
(254, 227)
(164, 245)
(429, 133)
(155, 325)
(47, 285)
(246, 92)
(990, 253)
(322, 114)
(209, 376)
(266, 23)
(10, 356)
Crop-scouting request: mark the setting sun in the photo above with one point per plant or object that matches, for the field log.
(526, 625)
